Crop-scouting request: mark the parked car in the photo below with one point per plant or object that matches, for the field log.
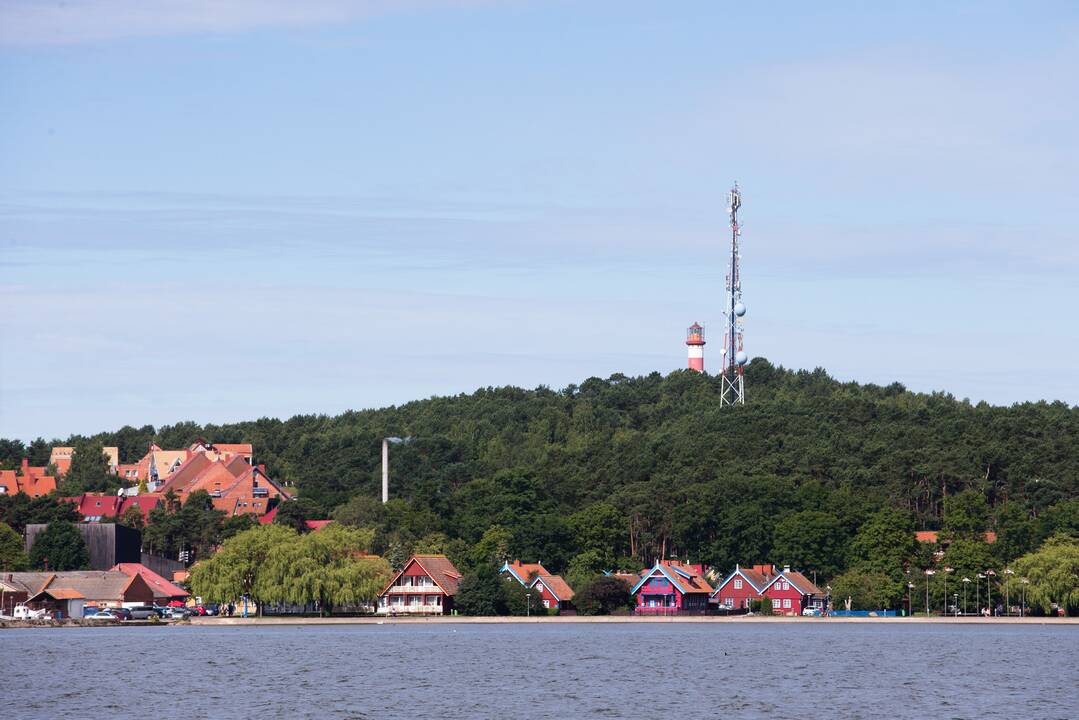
(812, 612)
(208, 609)
(103, 615)
(88, 610)
(120, 613)
(178, 613)
(144, 612)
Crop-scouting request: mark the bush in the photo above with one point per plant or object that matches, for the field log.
(602, 596)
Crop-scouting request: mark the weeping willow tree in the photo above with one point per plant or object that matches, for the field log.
(329, 567)
(234, 571)
(1052, 573)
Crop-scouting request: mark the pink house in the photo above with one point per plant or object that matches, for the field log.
(672, 587)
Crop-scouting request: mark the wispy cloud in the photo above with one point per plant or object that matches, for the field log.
(40, 22)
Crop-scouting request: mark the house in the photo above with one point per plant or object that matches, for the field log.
(65, 594)
(424, 586)
(742, 586)
(60, 458)
(164, 591)
(672, 587)
(792, 592)
(95, 506)
(34, 481)
(234, 486)
(554, 592)
(523, 573)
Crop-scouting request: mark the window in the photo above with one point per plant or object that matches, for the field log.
(547, 603)
(787, 603)
(738, 583)
(729, 602)
(775, 604)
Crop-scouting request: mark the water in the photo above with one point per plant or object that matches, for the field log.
(434, 671)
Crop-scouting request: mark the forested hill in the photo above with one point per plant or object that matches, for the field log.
(684, 477)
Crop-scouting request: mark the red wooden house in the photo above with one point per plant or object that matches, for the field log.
(672, 587)
(554, 592)
(424, 586)
(792, 592)
(743, 586)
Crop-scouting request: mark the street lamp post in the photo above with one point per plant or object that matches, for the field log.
(528, 602)
(1023, 602)
(1007, 596)
(946, 571)
(928, 572)
(910, 605)
(955, 603)
(966, 582)
(989, 590)
(978, 592)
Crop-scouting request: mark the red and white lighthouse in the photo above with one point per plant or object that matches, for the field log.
(695, 343)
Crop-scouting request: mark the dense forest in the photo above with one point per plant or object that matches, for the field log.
(624, 470)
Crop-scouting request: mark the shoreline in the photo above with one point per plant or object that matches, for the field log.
(558, 619)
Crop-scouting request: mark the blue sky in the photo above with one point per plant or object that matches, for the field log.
(221, 211)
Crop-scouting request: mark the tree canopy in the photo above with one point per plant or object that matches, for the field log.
(620, 471)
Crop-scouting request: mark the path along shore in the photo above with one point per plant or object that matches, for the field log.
(563, 619)
(625, 619)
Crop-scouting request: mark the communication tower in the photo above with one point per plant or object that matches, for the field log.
(732, 380)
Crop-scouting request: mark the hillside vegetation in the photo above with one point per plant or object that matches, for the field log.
(631, 469)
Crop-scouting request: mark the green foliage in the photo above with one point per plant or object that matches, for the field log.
(12, 555)
(649, 467)
(196, 527)
(328, 567)
(761, 606)
(602, 595)
(520, 600)
(482, 591)
(867, 590)
(1053, 575)
(295, 514)
(89, 471)
(20, 510)
(811, 540)
(59, 547)
(884, 544)
(133, 518)
(233, 571)
(966, 515)
(492, 549)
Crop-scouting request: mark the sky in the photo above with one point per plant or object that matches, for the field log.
(220, 211)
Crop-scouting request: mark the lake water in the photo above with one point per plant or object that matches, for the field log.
(645, 670)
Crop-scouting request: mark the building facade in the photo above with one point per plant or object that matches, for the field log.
(426, 585)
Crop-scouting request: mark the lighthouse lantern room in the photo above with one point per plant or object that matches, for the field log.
(695, 343)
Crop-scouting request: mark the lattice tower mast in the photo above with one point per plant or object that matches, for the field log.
(734, 356)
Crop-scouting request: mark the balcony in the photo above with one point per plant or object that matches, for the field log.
(409, 610)
(420, 589)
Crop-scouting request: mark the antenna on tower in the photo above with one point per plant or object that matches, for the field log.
(732, 380)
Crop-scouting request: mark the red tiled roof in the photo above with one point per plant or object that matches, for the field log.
(28, 479)
(525, 571)
(932, 536)
(756, 577)
(438, 568)
(559, 587)
(162, 588)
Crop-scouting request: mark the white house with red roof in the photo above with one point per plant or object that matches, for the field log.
(426, 585)
(672, 587)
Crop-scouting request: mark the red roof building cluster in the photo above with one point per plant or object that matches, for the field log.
(553, 592)
(34, 481)
(95, 506)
